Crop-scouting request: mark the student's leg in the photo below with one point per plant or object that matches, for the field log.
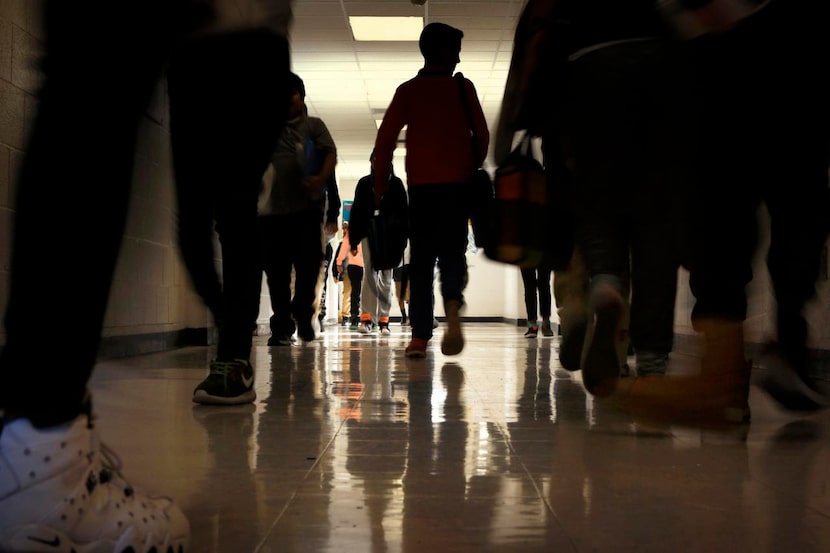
(238, 142)
(49, 448)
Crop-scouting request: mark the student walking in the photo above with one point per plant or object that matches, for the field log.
(291, 220)
(439, 164)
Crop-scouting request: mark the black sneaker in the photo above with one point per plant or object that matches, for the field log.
(306, 332)
(227, 383)
(547, 331)
(532, 331)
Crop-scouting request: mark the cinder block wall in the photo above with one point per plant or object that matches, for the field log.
(151, 299)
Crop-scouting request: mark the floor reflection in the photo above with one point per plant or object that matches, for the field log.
(351, 447)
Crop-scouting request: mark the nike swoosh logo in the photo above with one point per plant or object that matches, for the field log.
(248, 381)
(55, 542)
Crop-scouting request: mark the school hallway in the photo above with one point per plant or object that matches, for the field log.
(350, 447)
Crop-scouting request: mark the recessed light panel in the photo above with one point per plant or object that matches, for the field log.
(386, 28)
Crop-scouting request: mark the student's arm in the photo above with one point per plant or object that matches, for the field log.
(333, 193)
(324, 143)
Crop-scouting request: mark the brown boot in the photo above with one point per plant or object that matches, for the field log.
(725, 363)
(717, 397)
(453, 341)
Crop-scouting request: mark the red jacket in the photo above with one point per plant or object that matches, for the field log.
(438, 145)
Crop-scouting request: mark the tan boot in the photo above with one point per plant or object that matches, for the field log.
(725, 363)
(717, 397)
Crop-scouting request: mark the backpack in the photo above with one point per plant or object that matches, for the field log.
(389, 228)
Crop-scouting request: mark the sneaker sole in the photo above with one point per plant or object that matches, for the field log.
(203, 398)
(452, 345)
(453, 341)
(601, 366)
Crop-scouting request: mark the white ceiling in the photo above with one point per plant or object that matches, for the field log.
(349, 84)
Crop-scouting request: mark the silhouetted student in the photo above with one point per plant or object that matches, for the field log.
(226, 79)
(291, 220)
(538, 301)
(376, 289)
(439, 164)
(350, 262)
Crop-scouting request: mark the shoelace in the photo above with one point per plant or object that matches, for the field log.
(226, 367)
(111, 465)
(222, 367)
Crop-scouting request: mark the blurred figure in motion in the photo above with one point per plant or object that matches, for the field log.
(602, 81)
(745, 77)
(58, 484)
(765, 124)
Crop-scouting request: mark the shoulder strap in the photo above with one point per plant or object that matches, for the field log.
(459, 78)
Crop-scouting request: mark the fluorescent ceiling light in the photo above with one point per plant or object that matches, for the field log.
(386, 28)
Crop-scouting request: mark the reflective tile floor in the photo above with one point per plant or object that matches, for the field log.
(350, 447)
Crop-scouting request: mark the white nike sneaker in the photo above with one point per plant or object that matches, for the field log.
(61, 491)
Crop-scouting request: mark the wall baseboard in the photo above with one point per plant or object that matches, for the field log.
(114, 347)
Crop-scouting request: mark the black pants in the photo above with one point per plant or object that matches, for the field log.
(292, 241)
(220, 145)
(630, 133)
(438, 233)
(766, 125)
(537, 292)
(356, 278)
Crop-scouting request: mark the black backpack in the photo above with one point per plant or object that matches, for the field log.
(389, 227)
